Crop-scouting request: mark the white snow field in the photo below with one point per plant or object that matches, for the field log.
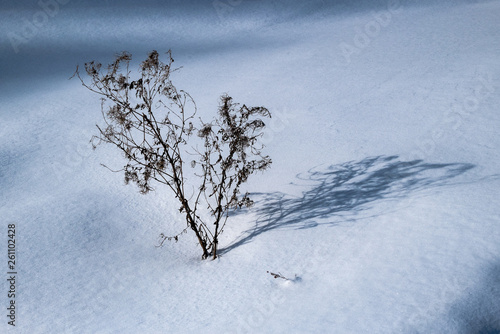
(381, 206)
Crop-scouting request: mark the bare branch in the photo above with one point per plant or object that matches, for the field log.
(151, 123)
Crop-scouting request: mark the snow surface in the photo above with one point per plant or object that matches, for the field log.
(381, 206)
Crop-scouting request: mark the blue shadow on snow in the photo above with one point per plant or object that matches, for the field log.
(346, 189)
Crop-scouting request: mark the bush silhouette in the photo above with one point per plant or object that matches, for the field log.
(153, 124)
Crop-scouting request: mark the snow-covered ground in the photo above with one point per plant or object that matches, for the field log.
(381, 206)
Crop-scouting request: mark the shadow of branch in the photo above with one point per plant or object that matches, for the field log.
(345, 190)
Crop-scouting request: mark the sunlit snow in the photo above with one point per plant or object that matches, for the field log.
(381, 206)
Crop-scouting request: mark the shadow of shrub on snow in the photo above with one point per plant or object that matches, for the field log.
(346, 189)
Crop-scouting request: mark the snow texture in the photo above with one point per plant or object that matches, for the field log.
(381, 207)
